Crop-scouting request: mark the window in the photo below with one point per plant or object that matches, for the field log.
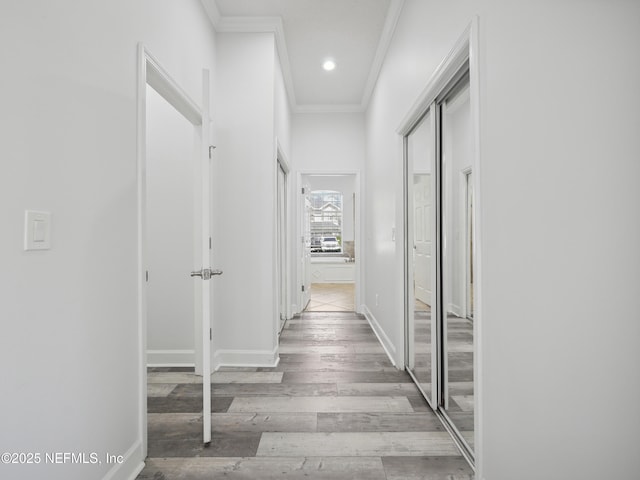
(326, 222)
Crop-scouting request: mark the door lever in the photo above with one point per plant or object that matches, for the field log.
(206, 273)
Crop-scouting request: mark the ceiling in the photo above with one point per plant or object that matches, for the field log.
(354, 33)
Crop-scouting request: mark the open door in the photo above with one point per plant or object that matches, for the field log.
(206, 272)
(153, 75)
(282, 254)
(306, 248)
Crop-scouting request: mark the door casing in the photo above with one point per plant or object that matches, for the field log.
(357, 233)
(151, 72)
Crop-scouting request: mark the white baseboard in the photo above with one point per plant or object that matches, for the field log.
(171, 358)
(246, 358)
(456, 310)
(131, 466)
(389, 347)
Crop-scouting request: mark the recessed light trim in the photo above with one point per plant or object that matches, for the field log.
(329, 65)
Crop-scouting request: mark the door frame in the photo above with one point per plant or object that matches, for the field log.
(467, 254)
(357, 232)
(465, 50)
(281, 161)
(151, 73)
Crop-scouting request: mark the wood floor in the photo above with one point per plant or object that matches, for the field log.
(335, 408)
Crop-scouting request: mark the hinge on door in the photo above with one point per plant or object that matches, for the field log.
(209, 243)
(210, 334)
(303, 288)
(146, 275)
(302, 190)
(211, 149)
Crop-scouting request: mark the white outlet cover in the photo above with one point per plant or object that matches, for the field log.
(37, 230)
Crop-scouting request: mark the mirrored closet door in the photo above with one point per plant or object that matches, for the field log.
(457, 396)
(439, 257)
(420, 148)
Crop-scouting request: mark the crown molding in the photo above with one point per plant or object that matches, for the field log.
(211, 8)
(274, 25)
(389, 28)
(249, 25)
(256, 25)
(329, 108)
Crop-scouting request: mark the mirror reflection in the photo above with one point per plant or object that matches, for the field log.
(457, 262)
(421, 235)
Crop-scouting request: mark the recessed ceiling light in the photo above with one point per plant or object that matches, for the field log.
(329, 65)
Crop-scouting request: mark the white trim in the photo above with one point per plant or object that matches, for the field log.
(205, 238)
(151, 73)
(140, 271)
(160, 80)
(281, 162)
(249, 24)
(329, 108)
(211, 8)
(463, 202)
(387, 345)
(389, 28)
(281, 157)
(171, 358)
(443, 74)
(357, 228)
(246, 358)
(234, 24)
(474, 92)
(130, 466)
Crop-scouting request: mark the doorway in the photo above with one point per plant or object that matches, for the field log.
(330, 232)
(282, 244)
(174, 182)
(170, 218)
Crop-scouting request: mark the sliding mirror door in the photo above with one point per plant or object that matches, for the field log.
(420, 150)
(438, 156)
(457, 395)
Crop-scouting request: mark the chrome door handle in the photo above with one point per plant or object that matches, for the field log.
(205, 273)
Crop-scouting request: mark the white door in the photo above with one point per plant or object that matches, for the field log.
(281, 243)
(469, 256)
(306, 248)
(423, 211)
(205, 274)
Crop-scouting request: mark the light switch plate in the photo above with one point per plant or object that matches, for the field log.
(37, 230)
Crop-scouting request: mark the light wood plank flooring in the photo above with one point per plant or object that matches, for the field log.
(334, 408)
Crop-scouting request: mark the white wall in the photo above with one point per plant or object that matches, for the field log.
(244, 317)
(70, 340)
(170, 234)
(282, 112)
(560, 112)
(328, 142)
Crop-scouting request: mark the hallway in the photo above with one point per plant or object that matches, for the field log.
(334, 408)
